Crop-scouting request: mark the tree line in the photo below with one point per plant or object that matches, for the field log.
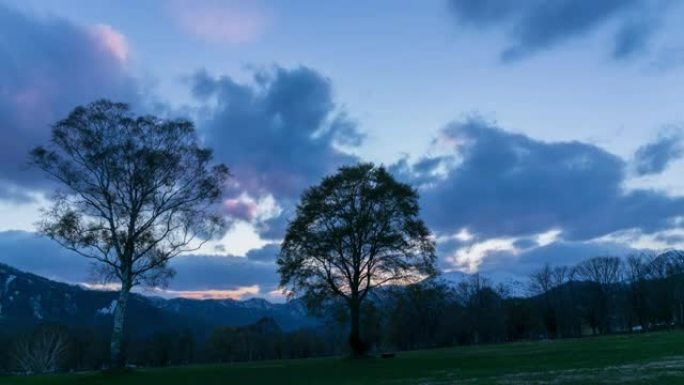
(52, 347)
(600, 295)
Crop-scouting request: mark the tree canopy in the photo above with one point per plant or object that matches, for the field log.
(134, 191)
(355, 231)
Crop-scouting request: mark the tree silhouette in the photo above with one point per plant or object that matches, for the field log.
(357, 230)
(137, 191)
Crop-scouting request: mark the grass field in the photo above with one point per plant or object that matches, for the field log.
(656, 358)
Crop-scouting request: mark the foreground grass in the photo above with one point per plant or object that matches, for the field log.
(656, 358)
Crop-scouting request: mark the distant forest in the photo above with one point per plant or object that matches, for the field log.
(601, 295)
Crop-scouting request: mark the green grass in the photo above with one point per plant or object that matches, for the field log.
(656, 358)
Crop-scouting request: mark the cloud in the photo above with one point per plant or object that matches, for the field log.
(279, 135)
(222, 272)
(222, 22)
(268, 253)
(525, 243)
(112, 40)
(536, 25)
(511, 260)
(14, 195)
(633, 38)
(30, 252)
(654, 157)
(561, 253)
(236, 294)
(213, 275)
(468, 258)
(668, 58)
(246, 208)
(485, 13)
(503, 184)
(47, 67)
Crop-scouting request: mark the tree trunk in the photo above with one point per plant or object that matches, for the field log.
(117, 356)
(358, 348)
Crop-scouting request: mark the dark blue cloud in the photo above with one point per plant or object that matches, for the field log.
(653, 158)
(275, 228)
(422, 172)
(484, 13)
(670, 238)
(222, 273)
(525, 243)
(39, 255)
(47, 67)
(13, 193)
(448, 247)
(536, 25)
(562, 253)
(668, 58)
(267, 253)
(633, 38)
(507, 184)
(279, 135)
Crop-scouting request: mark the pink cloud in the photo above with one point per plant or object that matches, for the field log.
(238, 293)
(112, 41)
(222, 22)
(250, 209)
(52, 66)
(241, 209)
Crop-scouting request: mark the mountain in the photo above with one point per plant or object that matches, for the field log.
(27, 299)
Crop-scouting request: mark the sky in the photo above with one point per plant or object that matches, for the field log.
(535, 131)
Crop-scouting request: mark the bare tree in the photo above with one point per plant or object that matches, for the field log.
(603, 273)
(482, 304)
(542, 280)
(469, 289)
(416, 313)
(43, 351)
(138, 191)
(638, 271)
(541, 284)
(561, 275)
(676, 280)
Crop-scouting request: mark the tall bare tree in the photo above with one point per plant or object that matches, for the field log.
(357, 230)
(604, 273)
(541, 284)
(637, 270)
(136, 191)
(542, 280)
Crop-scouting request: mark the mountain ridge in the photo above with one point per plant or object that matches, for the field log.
(27, 299)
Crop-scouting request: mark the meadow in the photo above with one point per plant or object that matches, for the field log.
(654, 358)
